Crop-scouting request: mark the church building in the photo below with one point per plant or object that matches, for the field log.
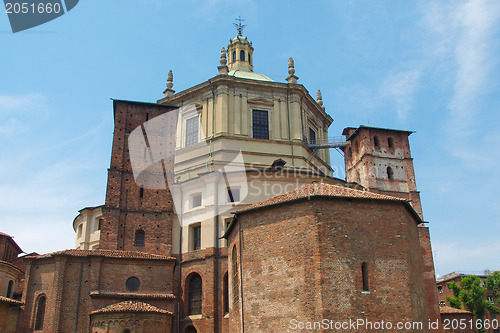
(222, 214)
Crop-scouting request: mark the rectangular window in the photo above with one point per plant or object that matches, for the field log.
(260, 123)
(196, 200)
(191, 131)
(312, 136)
(196, 238)
(233, 194)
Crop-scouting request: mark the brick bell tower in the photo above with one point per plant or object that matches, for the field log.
(380, 160)
(137, 217)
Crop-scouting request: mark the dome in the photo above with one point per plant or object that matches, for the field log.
(241, 39)
(249, 75)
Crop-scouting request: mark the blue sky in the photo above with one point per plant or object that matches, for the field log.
(427, 66)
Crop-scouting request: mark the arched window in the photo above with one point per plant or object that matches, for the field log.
(234, 275)
(364, 273)
(80, 231)
(225, 288)
(376, 141)
(390, 173)
(390, 143)
(234, 56)
(126, 330)
(250, 58)
(242, 55)
(190, 329)
(139, 237)
(9, 288)
(40, 313)
(194, 295)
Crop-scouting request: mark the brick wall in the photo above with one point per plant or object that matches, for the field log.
(75, 286)
(302, 261)
(128, 208)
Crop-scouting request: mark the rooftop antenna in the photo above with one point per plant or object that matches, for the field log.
(240, 26)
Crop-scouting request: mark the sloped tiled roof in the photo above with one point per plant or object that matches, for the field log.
(131, 306)
(12, 241)
(320, 189)
(104, 253)
(449, 309)
(10, 301)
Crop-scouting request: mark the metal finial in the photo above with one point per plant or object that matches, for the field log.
(240, 26)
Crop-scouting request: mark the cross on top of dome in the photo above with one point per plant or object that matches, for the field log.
(240, 26)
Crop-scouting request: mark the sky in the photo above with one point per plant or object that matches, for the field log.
(432, 67)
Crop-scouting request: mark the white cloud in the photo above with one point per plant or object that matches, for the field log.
(466, 41)
(25, 102)
(12, 126)
(399, 88)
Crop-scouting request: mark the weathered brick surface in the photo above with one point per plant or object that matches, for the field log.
(76, 286)
(126, 211)
(302, 261)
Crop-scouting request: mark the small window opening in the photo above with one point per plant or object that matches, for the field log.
(242, 55)
(390, 173)
(376, 141)
(196, 200)
(312, 136)
(440, 289)
(226, 293)
(364, 273)
(9, 289)
(234, 275)
(390, 143)
(139, 237)
(141, 192)
(40, 313)
(250, 58)
(133, 283)
(234, 56)
(195, 295)
(233, 194)
(196, 237)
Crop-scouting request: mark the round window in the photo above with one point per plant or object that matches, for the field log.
(133, 283)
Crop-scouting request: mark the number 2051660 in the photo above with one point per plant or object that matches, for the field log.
(27, 8)
(463, 324)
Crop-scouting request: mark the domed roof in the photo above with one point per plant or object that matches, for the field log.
(240, 38)
(249, 75)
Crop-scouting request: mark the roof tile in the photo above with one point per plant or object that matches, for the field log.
(131, 306)
(449, 309)
(104, 253)
(320, 189)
